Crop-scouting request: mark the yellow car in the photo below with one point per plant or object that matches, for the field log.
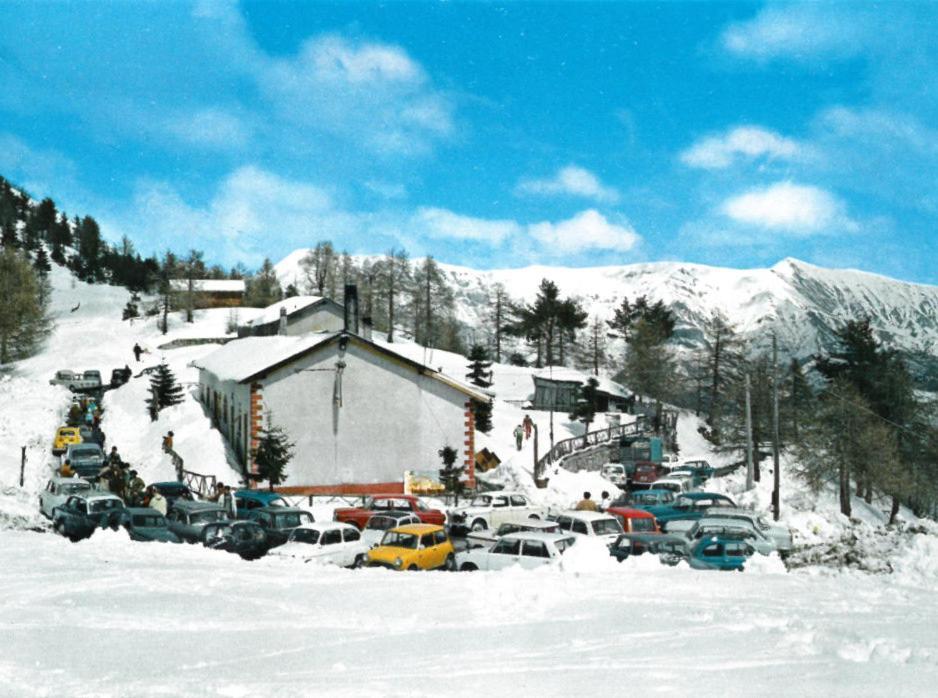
(65, 436)
(414, 547)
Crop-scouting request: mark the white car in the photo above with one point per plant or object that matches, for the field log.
(590, 523)
(379, 523)
(528, 550)
(327, 542)
(58, 489)
(487, 536)
(615, 473)
(491, 509)
(676, 484)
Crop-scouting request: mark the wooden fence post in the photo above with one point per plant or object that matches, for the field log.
(22, 464)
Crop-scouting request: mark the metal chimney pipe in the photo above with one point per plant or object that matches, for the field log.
(351, 308)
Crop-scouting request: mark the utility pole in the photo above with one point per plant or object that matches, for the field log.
(749, 469)
(776, 500)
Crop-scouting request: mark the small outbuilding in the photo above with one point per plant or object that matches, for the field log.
(359, 413)
(295, 316)
(559, 389)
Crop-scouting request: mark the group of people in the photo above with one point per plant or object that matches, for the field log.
(84, 410)
(589, 504)
(225, 497)
(523, 431)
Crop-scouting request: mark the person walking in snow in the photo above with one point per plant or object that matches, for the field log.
(586, 504)
(519, 436)
(528, 425)
(137, 352)
(168, 442)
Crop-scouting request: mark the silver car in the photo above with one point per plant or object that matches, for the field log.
(58, 489)
(741, 528)
(188, 519)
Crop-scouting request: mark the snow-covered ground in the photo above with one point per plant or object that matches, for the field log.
(108, 617)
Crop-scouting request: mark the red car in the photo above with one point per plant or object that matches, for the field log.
(645, 473)
(358, 516)
(635, 520)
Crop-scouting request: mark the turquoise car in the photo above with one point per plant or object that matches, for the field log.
(721, 552)
(688, 506)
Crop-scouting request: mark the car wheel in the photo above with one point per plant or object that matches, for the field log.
(535, 517)
(479, 525)
(359, 562)
(413, 568)
(468, 567)
(450, 564)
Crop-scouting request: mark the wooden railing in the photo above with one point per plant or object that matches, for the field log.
(593, 438)
(202, 485)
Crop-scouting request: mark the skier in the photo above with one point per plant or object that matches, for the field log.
(519, 436)
(137, 352)
(528, 425)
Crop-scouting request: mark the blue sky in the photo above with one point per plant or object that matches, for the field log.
(491, 135)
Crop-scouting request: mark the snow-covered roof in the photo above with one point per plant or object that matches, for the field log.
(245, 358)
(209, 285)
(570, 375)
(272, 312)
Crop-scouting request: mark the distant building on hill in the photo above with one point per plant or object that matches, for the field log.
(559, 389)
(295, 316)
(212, 293)
(359, 413)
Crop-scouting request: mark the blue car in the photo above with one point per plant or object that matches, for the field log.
(145, 524)
(688, 506)
(722, 552)
(249, 502)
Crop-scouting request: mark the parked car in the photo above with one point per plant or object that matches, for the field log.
(188, 519)
(670, 461)
(81, 514)
(58, 489)
(145, 524)
(73, 380)
(590, 523)
(677, 485)
(491, 509)
(379, 523)
(358, 516)
(488, 536)
(615, 473)
(698, 473)
(719, 526)
(327, 542)
(174, 491)
(780, 536)
(689, 506)
(119, 376)
(414, 547)
(645, 474)
(86, 459)
(643, 499)
(279, 522)
(65, 437)
(701, 467)
(247, 539)
(635, 520)
(529, 550)
(249, 502)
(720, 552)
(629, 544)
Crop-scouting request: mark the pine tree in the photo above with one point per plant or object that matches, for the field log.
(164, 390)
(450, 472)
(480, 373)
(263, 288)
(273, 453)
(585, 408)
(24, 321)
(41, 261)
(482, 415)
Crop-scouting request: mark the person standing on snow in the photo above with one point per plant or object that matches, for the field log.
(66, 469)
(114, 457)
(135, 487)
(586, 504)
(157, 501)
(519, 436)
(528, 425)
(137, 352)
(168, 442)
(605, 501)
(227, 500)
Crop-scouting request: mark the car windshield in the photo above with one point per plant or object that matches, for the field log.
(643, 525)
(75, 487)
(149, 521)
(396, 539)
(305, 535)
(84, 452)
(292, 519)
(381, 523)
(210, 516)
(602, 527)
(105, 505)
(482, 501)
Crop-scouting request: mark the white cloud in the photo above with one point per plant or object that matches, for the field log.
(787, 207)
(802, 31)
(570, 181)
(718, 152)
(211, 127)
(879, 127)
(438, 222)
(334, 58)
(588, 230)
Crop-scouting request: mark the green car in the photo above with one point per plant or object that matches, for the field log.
(145, 525)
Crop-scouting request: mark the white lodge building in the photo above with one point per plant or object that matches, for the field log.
(358, 413)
